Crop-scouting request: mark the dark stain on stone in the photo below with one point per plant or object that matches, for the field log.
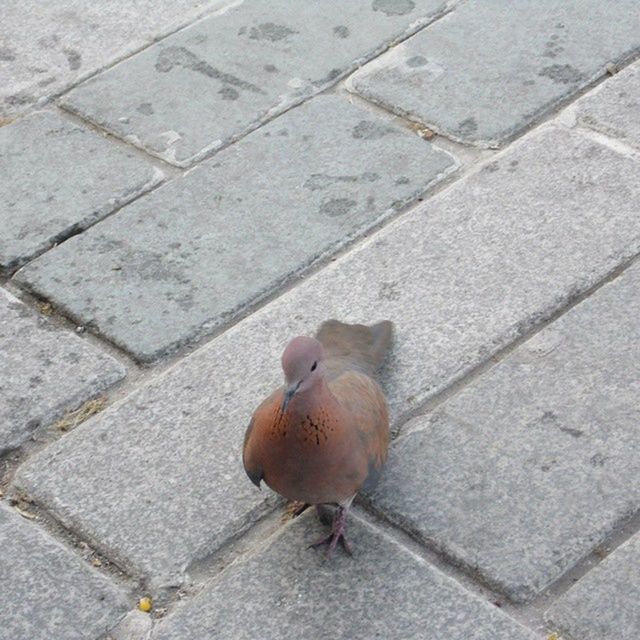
(319, 181)
(337, 207)
(201, 38)
(283, 133)
(46, 82)
(74, 59)
(341, 31)
(416, 61)
(528, 83)
(402, 180)
(146, 109)
(552, 49)
(19, 99)
(561, 73)
(549, 416)
(181, 57)
(34, 381)
(270, 68)
(7, 55)
(492, 167)
(393, 7)
(368, 130)
(229, 93)
(576, 433)
(49, 42)
(389, 291)
(467, 127)
(332, 75)
(270, 31)
(598, 460)
(512, 166)
(242, 31)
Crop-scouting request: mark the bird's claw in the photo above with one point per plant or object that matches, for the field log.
(337, 535)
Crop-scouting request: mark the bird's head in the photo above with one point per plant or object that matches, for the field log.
(302, 363)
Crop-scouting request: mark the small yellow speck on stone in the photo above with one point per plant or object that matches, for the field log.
(145, 604)
(553, 636)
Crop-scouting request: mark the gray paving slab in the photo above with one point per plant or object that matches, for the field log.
(485, 72)
(175, 265)
(462, 276)
(531, 467)
(46, 47)
(604, 604)
(614, 107)
(43, 372)
(385, 591)
(59, 178)
(49, 592)
(196, 91)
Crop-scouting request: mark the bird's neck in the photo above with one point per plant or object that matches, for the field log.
(318, 395)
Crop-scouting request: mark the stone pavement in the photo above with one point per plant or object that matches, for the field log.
(186, 185)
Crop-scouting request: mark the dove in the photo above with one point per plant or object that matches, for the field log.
(323, 436)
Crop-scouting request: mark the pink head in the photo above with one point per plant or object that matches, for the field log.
(302, 366)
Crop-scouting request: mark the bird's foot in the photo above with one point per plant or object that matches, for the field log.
(337, 534)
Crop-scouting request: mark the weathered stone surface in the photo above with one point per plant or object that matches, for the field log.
(530, 468)
(461, 277)
(173, 266)
(614, 107)
(483, 73)
(384, 592)
(197, 90)
(43, 371)
(604, 604)
(58, 178)
(47, 46)
(48, 592)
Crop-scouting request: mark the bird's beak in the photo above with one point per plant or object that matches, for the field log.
(288, 394)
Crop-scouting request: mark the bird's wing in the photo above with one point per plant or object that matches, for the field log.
(366, 411)
(354, 347)
(252, 466)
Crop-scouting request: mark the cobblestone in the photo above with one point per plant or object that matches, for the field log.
(43, 372)
(196, 91)
(47, 46)
(166, 270)
(439, 273)
(48, 591)
(485, 72)
(614, 108)
(384, 592)
(57, 179)
(604, 604)
(530, 468)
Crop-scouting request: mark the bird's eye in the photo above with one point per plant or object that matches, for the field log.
(313, 366)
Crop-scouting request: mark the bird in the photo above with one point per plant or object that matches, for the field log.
(323, 435)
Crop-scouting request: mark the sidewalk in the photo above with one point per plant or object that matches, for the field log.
(185, 187)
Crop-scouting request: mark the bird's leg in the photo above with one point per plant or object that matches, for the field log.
(338, 530)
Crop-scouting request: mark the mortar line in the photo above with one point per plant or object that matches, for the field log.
(140, 374)
(55, 529)
(270, 115)
(440, 397)
(218, 7)
(543, 117)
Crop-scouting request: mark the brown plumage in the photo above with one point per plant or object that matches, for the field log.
(324, 435)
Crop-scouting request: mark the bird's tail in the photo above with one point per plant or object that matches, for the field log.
(354, 346)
